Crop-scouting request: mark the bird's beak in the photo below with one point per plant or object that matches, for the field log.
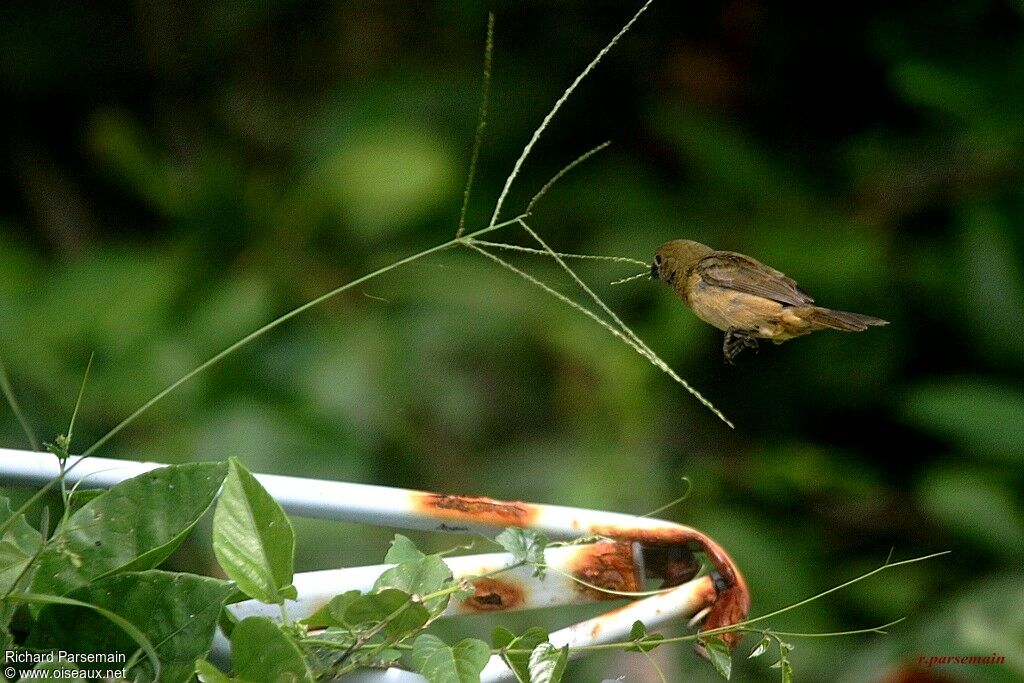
(654, 271)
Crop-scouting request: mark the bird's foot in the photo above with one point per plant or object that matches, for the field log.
(734, 343)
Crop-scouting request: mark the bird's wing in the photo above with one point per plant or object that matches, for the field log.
(744, 274)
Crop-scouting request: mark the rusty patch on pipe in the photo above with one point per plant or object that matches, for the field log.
(495, 595)
(608, 565)
(732, 604)
(475, 510)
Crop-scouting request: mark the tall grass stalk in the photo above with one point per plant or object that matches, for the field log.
(558, 105)
(481, 123)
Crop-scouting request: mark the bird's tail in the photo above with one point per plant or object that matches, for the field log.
(840, 320)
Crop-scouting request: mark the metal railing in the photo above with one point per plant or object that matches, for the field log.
(630, 550)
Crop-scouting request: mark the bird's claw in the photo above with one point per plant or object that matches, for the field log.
(734, 343)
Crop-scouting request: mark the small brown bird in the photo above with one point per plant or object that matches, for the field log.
(745, 298)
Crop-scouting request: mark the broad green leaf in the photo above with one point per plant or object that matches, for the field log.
(177, 613)
(718, 653)
(547, 663)
(208, 673)
(404, 616)
(403, 550)
(262, 652)
(440, 663)
(518, 662)
(643, 641)
(134, 526)
(253, 539)
(424, 576)
(333, 613)
(128, 629)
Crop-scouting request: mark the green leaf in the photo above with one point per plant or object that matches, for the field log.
(644, 641)
(761, 648)
(253, 539)
(385, 605)
(518, 662)
(176, 612)
(18, 530)
(13, 563)
(133, 526)
(333, 613)
(129, 630)
(718, 653)
(525, 545)
(501, 637)
(426, 575)
(19, 544)
(208, 673)
(403, 550)
(547, 663)
(261, 651)
(440, 663)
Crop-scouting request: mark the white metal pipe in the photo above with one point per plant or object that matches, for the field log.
(681, 602)
(655, 611)
(508, 587)
(360, 503)
(386, 506)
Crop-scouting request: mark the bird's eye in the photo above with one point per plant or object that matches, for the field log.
(657, 260)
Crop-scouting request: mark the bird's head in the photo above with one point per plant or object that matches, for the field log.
(675, 259)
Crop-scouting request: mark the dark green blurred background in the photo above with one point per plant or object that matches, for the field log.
(176, 174)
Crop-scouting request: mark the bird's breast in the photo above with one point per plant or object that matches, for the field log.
(728, 309)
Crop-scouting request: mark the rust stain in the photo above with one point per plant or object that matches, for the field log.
(732, 606)
(608, 565)
(732, 603)
(495, 595)
(475, 509)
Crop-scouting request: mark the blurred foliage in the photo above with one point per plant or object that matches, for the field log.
(176, 174)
